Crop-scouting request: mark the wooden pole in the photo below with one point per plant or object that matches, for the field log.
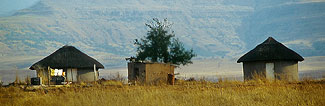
(71, 74)
(49, 74)
(95, 74)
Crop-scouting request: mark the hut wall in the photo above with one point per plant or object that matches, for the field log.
(86, 75)
(43, 74)
(286, 70)
(156, 72)
(253, 68)
(283, 70)
(150, 73)
(71, 74)
(136, 72)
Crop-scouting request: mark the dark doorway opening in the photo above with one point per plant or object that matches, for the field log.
(136, 73)
(171, 79)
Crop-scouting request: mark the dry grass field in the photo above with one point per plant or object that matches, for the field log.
(183, 93)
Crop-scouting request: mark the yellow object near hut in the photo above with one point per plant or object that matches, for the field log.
(52, 72)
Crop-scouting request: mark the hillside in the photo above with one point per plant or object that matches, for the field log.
(298, 25)
(105, 29)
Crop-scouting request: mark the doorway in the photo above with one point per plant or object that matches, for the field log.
(170, 79)
(72, 74)
(269, 68)
(136, 74)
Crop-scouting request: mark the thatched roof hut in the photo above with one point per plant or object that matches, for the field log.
(77, 65)
(273, 59)
(270, 50)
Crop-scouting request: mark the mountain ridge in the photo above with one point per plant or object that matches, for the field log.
(213, 28)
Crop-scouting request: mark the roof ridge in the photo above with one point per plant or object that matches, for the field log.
(270, 40)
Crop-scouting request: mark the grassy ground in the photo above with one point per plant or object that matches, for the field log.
(194, 93)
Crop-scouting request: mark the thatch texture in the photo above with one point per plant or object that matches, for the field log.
(270, 50)
(67, 57)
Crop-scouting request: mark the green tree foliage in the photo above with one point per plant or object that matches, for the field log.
(160, 45)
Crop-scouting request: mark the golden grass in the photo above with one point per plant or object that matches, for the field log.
(184, 93)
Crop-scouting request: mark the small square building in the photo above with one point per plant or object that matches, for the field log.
(150, 73)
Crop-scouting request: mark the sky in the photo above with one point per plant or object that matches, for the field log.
(8, 6)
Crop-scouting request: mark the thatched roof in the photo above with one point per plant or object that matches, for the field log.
(67, 57)
(270, 50)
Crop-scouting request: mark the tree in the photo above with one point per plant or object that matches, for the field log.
(160, 45)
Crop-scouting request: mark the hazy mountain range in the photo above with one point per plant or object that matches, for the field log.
(105, 29)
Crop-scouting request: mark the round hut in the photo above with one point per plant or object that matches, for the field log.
(76, 65)
(271, 60)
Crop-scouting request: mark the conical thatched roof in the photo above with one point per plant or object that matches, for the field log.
(270, 50)
(67, 57)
